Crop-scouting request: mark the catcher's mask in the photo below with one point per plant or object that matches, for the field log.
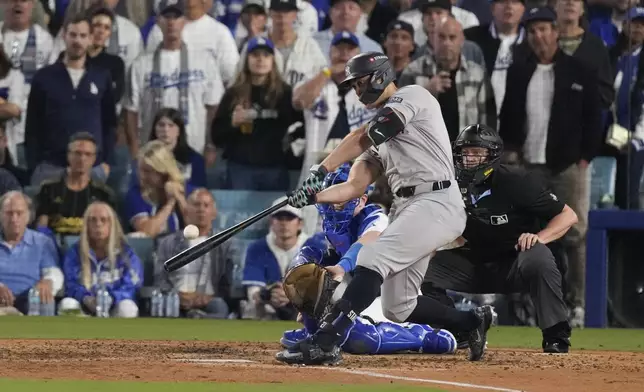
(373, 64)
(477, 153)
(337, 218)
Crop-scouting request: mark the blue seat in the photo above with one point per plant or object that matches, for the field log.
(144, 248)
(234, 206)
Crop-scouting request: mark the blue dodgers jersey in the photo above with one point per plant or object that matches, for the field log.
(371, 215)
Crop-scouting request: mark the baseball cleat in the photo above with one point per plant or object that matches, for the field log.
(478, 337)
(308, 353)
(556, 345)
(291, 337)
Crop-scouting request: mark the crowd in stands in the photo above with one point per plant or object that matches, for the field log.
(122, 119)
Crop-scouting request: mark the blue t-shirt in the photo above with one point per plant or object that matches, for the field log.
(138, 206)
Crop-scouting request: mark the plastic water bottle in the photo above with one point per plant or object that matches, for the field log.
(103, 302)
(34, 302)
(172, 304)
(156, 303)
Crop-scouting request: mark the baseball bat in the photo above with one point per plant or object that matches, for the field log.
(194, 252)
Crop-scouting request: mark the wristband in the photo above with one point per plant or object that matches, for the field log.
(348, 261)
(326, 71)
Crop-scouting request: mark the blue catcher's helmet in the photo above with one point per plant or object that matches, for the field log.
(337, 220)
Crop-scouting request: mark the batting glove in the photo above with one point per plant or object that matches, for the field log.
(314, 183)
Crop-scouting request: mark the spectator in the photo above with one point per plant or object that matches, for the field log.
(170, 129)
(253, 123)
(204, 284)
(434, 14)
(28, 46)
(157, 204)
(501, 41)
(125, 41)
(628, 65)
(175, 75)
(103, 19)
(12, 84)
(27, 258)
(7, 161)
(202, 32)
(345, 16)
(266, 262)
(399, 45)
(330, 113)
(306, 22)
(39, 15)
(136, 11)
(67, 97)
(378, 15)
(461, 86)
(252, 22)
(437, 10)
(298, 56)
(101, 257)
(62, 200)
(551, 117)
(589, 49)
(607, 24)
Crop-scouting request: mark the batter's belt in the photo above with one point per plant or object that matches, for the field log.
(409, 191)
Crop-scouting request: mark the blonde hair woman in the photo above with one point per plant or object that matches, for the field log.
(157, 204)
(101, 256)
(253, 121)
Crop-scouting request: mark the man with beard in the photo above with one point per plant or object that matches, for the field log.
(66, 97)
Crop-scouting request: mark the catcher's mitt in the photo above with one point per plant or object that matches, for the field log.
(309, 287)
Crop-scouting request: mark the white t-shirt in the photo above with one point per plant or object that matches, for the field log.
(304, 61)
(205, 88)
(12, 90)
(76, 75)
(500, 71)
(44, 45)
(130, 42)
(541, 90)
(207, 34)
(414, 17)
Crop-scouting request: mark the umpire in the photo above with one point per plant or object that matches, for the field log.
(511, 218)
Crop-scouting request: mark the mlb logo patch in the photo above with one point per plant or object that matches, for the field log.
(498, 220)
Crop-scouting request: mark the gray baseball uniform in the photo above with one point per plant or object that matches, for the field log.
(418, 156)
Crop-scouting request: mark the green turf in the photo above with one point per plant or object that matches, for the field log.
(120, 386)
(244, 330)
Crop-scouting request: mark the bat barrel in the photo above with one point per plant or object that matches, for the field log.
(194, 252)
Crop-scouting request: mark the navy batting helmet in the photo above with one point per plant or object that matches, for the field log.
(371, 63)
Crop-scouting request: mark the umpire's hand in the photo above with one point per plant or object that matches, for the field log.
(305, 195)
(527, 241)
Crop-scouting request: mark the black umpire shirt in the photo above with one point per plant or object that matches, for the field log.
(512, 202)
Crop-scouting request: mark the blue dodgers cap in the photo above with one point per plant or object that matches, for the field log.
(635, 13)
(345, 36)
(541, 14)
(260, 43)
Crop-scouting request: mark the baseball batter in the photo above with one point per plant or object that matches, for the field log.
(407, 141)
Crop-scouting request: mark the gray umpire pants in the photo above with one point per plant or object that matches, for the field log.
(533, 271)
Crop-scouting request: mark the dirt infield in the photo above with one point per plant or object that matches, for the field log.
(207, 361)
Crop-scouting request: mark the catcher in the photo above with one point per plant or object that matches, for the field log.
(311, 289)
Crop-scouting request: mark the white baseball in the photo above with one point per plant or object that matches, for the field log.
(191, 232)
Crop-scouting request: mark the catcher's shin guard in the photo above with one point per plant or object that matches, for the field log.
(434, 341)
